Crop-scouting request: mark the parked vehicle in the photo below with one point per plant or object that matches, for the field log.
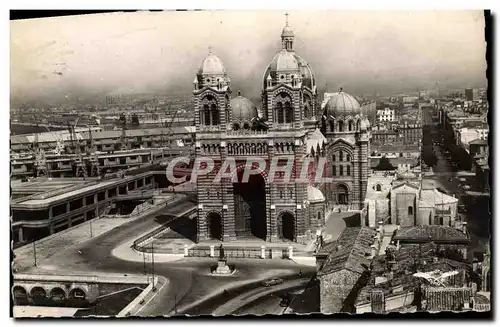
(272, 282)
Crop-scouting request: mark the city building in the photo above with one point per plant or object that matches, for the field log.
(442, 284)
(406, 201)
(44, 207)
(343, 267)
(472, 94)
(386, 115)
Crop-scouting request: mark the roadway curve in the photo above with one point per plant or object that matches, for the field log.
(190, 280)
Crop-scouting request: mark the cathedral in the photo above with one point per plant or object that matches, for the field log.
(291, 125)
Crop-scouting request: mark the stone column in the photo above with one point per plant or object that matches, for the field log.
(50, 213)
(212, 251)
(290, 252)
(263, 252)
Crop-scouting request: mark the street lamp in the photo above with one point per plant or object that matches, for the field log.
(153, 264)
(34, 252)
(90, 224)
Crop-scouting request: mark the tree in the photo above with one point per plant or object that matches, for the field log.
(135, 120)
(429, 156)
(123, 119)
(384, 164)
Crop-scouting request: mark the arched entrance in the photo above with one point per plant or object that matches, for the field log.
(250, 206)
(342, 194)
(38, 292)
(77, 293)
(20, 295)
(287, 226)
(57, 294)
(214, 222)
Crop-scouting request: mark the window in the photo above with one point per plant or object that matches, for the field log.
(334, 158)
(348, 170)
(288, 112)
(379, 188)
(350, 126)
(319, 215)
(334, 170)
(410, 210)
(341, 156)
(279, 113)
(332, 128)
(341, 170)
(348, 158)
(341, 126)
(306, 112)
(281, 194)
(441, 221)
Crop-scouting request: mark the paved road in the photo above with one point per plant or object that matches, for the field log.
(238, 302)
(190, 278)
(477, 215)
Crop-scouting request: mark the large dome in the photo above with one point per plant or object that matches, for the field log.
(342, 104)
(212, 65)
(284, 61)
(243, 109)
(290, 62)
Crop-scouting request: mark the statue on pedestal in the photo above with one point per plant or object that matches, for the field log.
(221, 253)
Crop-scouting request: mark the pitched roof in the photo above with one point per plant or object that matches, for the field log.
(351, 251)
(314, 140)
(479, 142)
(434, 233)
(430, 198)
(446, 298)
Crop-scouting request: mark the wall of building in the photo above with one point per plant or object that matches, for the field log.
(334, 289)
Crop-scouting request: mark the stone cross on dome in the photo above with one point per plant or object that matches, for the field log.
(210, 49)
(286, 15)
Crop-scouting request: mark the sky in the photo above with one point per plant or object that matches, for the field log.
(91, 56)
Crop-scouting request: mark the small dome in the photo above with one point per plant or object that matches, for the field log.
(212, 65)
(342, 104)
(285, 61)
(314, 195)
(243, 109)
(287, 32)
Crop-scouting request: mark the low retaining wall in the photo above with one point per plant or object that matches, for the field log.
(127, 311)
(108, 278)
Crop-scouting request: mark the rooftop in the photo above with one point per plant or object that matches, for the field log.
(434, 233)
(351, 251)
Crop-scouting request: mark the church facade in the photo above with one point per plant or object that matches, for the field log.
(292, 127)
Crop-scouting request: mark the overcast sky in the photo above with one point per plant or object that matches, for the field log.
(122, 53)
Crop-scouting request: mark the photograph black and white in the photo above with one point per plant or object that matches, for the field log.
(250, 162)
